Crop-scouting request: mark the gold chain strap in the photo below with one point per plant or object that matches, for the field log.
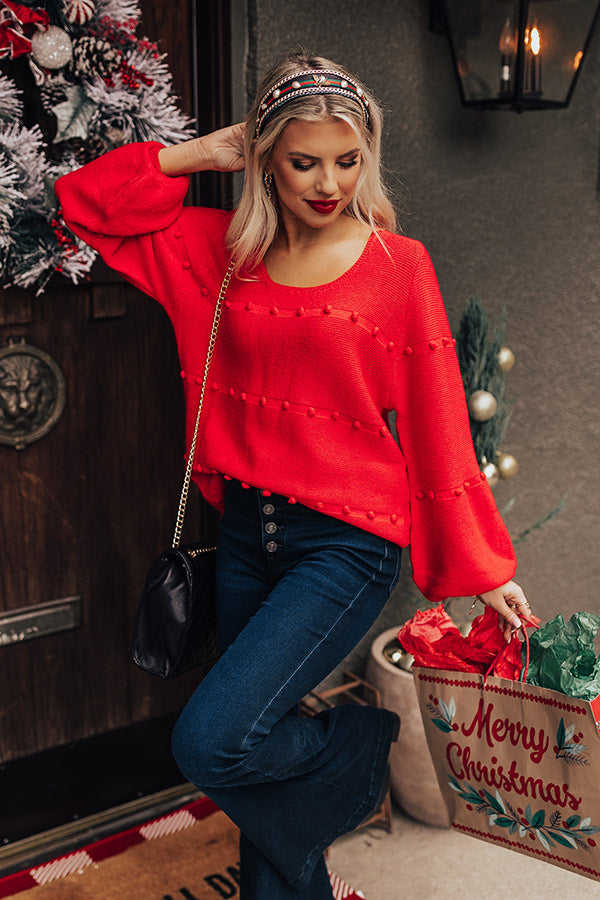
(209, 355)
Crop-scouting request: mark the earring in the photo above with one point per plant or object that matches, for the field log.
(268, 178)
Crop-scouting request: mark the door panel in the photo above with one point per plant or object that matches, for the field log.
(84, 510)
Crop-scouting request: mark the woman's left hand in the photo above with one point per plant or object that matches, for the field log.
(509, 601)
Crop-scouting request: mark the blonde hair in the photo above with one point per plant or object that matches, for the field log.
(256, 221)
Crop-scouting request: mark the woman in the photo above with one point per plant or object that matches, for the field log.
(330, 321)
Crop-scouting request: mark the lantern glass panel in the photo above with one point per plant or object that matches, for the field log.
(514, 52)
(563, 27)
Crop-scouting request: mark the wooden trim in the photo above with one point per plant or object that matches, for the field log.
(211, 74)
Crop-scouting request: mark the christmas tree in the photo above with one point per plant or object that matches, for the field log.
(75, 81)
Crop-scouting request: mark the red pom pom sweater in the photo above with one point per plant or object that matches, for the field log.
(303, 379)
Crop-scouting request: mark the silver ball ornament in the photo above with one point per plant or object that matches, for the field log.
(491, 473)
(51, 49)
(482, 406)
(507, 465)
(506, 359)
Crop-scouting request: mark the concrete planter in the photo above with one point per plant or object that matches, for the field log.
(414, 784)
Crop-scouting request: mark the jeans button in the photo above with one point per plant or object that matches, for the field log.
(272, 546)
(270, 527)
(268, 509)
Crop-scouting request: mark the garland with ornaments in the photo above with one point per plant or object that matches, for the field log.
(483, 363)
(75, 81)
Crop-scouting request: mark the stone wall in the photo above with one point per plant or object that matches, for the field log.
(508, 207)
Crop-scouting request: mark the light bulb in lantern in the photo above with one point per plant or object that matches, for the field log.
(508, 48)
(535, 62)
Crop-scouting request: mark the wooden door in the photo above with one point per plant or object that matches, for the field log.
(84, 509)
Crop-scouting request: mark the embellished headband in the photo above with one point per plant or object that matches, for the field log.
(305, 83)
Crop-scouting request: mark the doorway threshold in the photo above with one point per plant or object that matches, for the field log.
(56, 791)
(40, 848)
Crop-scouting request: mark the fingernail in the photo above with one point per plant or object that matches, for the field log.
(516, 623)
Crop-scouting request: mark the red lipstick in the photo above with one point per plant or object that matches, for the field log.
(324, 207)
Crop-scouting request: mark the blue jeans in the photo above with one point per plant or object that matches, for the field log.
(296, 591)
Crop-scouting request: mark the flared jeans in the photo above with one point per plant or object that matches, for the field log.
(296, 591)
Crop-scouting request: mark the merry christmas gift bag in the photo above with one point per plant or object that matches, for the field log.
(517, 764)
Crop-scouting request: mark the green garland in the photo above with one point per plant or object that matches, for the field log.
(478, 359)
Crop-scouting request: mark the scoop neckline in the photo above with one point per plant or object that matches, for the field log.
(264, 274)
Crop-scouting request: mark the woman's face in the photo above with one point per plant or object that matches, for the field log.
(315, 167)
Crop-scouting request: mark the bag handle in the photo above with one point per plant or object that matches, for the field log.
(209, 355)
(525, 668)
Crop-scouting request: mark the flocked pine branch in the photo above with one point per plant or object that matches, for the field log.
(116, 88)
(10, 195)
(11, 105)
(148, 114)
(24, 148)
(119, 10)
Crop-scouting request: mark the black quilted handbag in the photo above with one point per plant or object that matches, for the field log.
(175, 627)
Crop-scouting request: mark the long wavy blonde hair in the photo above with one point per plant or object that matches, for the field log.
(256, 220)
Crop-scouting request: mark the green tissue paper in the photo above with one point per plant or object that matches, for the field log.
(562, 656)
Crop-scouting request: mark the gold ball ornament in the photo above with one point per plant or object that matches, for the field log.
(482, 406)
(491, 473)
(506, 359)
(507, 465)
(52, 48)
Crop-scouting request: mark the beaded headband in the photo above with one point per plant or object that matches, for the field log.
(305, 83)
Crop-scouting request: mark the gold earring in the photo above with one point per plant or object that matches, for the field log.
(268, 178)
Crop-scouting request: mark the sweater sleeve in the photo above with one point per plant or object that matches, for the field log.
(120, 204)
(458, 543)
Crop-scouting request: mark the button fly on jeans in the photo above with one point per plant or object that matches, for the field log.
(272, 546)
(270, 527)
(268, 509)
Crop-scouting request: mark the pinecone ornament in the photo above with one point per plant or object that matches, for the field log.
(52, 92)
(79, 11)
(95, 56)
(86, 151)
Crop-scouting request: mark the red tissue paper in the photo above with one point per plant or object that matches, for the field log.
(436, 643)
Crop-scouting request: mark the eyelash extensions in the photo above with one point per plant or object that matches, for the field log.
(300, 167)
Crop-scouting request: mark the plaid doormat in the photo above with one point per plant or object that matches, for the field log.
(219, 858)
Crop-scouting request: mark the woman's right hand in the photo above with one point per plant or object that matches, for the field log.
(510, 602)
(225, 148)
(220, 151)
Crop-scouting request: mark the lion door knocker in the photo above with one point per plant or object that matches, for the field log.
(32, 393)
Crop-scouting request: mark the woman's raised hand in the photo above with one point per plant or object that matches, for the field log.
(220, 151)
(225, 148)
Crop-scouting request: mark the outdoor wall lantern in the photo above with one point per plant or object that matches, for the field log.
(516, 54)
